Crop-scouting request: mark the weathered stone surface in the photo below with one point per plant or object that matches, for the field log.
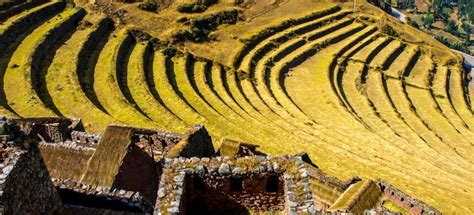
(173, 210)
(236, 171)
(161, 192)
(27, 181)
(200, 169)
(224, 169)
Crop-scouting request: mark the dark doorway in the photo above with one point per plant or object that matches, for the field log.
(273, 183)
(198, 184)
(236, 184)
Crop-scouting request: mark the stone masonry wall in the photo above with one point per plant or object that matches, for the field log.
(220, 176)
(85, 195)
(405, 201)
(161, 142)
(216, 194)
(85, 139)
(26, 184)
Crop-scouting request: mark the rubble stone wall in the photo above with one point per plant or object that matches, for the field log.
(85, 195)
(161, 142)
(235, 183)
(217, 194)
(85, 139)
(28, 188)
(405, 201)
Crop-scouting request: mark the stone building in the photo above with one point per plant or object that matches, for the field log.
(235, 185)
(49, 129)
(25, 184)
(128, 170)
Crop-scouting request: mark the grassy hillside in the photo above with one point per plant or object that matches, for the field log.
(360, 92)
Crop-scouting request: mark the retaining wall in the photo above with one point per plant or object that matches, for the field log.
(10, 34)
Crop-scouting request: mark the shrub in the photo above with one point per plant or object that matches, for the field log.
(186, 8)
(139, 34)
(427, 20)
(452, 44)
(238, 2)
(196, 7)
(412, 23)
(387, 29)
(148, 6)
(169, 51)
(200, 28)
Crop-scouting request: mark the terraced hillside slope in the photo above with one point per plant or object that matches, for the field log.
(358, 91)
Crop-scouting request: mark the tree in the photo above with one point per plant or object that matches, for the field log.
(427, 20)
(467, 29)
(445, 13)
(437, 6)
(466, 7)
(452, 28)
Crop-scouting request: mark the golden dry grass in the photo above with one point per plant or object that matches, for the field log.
(323, 97)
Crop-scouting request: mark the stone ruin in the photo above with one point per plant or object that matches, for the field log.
(51, 165)
(25, 184)
(222, 185)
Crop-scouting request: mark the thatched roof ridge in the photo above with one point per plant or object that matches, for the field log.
(231, 147)
(359, 196)
(65, 161)
(106, 161)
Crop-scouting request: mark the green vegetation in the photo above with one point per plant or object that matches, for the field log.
(427, 20)
(453, 44)
(148, 6)
(197, 7)
(201, 27)
(448, 21)
(467, 8)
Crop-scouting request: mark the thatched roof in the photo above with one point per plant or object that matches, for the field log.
(106, 161)
(196, 142)
(359, 196)
(65, 162)
(231, 147)
(324, 192)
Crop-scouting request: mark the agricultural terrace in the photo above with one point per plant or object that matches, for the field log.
(360, 92)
